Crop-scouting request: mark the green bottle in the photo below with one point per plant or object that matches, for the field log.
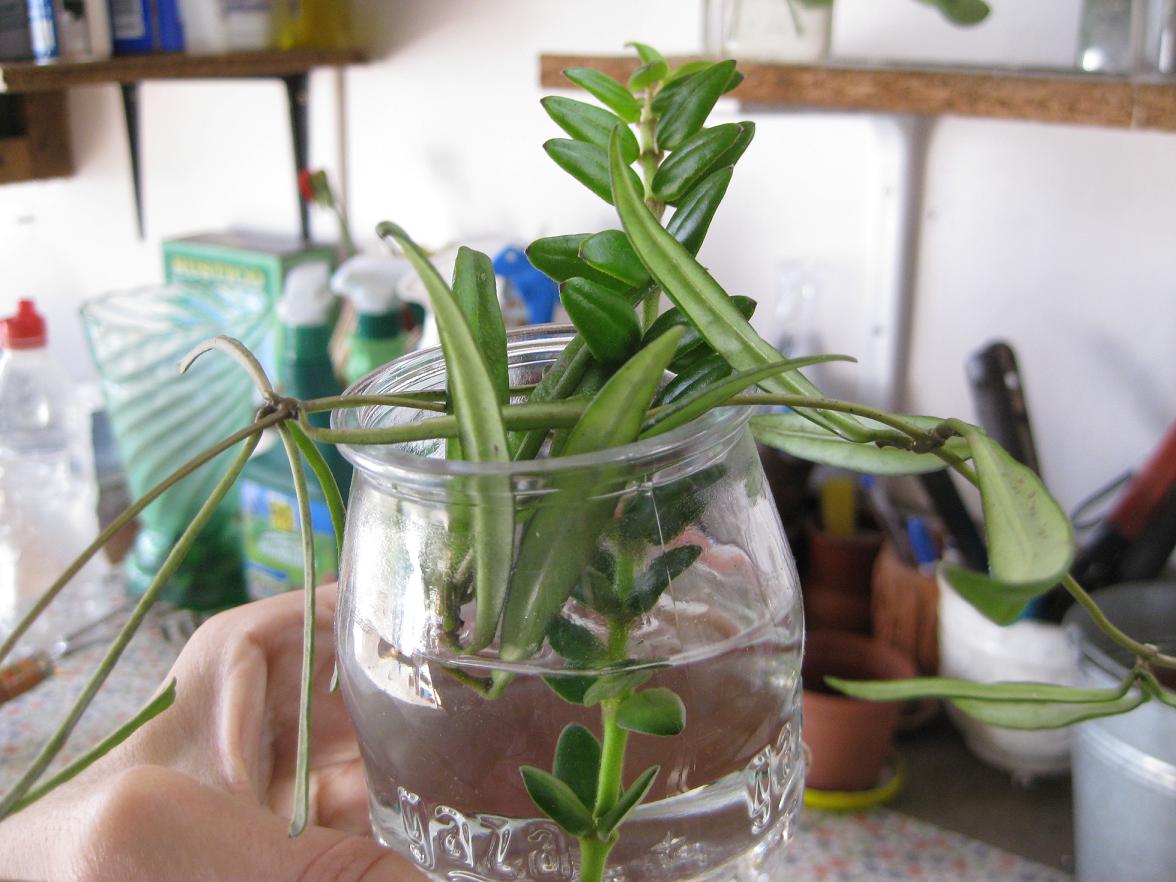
(269, 508)
(380, 335)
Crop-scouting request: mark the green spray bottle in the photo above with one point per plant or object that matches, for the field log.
(380, 336)
(269, 507)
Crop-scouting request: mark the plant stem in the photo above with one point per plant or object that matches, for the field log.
(593, 855)
(649, 159)
(174, 558)
(1146, 651)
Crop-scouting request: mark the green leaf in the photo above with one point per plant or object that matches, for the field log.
(692, 104)
(658, 516)
(570, 687)
(742, 142)
(691, 288)
(944, 687)
(1030, 543)
(679, 78)
(701, 399)
(610, 252)
(587, 163)
(326, 480)
(557, 800)
(590, 124)
(595, 586)
(651, 584)
(700, 374)
(476, 292)
(483, 439)
(796, 436)
(1039, 715)
(645, 52)
(687, 69)
(692, 219)
(962, 12)
(577, 762)
(607, 91)
(606, 320)
(558, 257)
(574, 642)
(628, 801)
(652, 712)
(648, 74)
(692, 347)
(690, 163)
(562, 534)
(612, 685)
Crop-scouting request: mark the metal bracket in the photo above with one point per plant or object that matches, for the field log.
(297, 92)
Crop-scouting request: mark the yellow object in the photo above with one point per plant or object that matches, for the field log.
(838, 506)
(857, 800)
(312, 24)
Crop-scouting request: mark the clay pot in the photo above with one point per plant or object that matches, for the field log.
(849, 739)
(836, 587)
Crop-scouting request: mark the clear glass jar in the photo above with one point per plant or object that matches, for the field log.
(443, 761)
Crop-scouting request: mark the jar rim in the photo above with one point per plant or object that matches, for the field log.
(387, 461)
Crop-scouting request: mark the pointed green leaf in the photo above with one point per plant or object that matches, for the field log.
(1029, 537)
(678, 79)
(476, 291)
(945, 687)
(691, 162)
(742, 142)
(483, 439)
(691, 288)
(648, 74)
(687, 69)
(692, 104)
(662, 570)
(801, 438)
(590, 124)
(693, 347)
(962, 12)
(574, 642)
(610, 252)
(562, 535)
(604, 318)
(587, 163)
(612, 685)
(652, 712)
(557, 800)
(692, 219)
(645, 52)
(607, 91)
(577, 762)
(1040, 715)
(1001, 602)
(629, 800)
(658, 516)
(558, 257)
(701, 399)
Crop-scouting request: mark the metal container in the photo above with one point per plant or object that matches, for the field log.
(1124, 767)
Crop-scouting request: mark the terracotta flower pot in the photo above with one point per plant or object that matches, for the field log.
(849, 739)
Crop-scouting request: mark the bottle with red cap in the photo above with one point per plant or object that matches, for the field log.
(47, 495)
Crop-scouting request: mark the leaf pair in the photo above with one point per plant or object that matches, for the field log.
(699, 155)
(598, 587)
(1011, 705)
(477, 381)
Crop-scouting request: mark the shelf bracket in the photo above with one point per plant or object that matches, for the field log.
(130, 101)
(297, 101)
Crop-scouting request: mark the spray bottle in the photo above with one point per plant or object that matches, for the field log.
(380, 334)
(269, 506)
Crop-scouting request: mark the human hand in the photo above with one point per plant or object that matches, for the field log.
(204, 791)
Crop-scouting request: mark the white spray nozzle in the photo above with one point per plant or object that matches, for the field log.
(370, 282)
(306, 298)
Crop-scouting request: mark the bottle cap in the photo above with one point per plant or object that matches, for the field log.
(25, 330)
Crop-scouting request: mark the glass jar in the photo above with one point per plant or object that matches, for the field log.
(690, 508)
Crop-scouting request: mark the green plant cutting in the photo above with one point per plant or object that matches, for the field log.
(632, 371)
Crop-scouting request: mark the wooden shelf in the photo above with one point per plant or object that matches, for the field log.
(1082, 99)
(29, 77)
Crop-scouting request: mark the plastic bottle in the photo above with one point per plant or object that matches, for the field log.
(272, 537)
(205, 29)
(47, 493)
(369, 283)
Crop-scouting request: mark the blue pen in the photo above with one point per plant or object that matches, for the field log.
(922, 543)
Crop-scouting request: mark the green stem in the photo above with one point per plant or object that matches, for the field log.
(125, 518)
(1146, 651)
(171, 563)
(593, 857)
(610, 783)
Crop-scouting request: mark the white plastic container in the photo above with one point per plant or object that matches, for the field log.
(972, 647)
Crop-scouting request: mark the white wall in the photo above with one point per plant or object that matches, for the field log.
(1059, 239)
